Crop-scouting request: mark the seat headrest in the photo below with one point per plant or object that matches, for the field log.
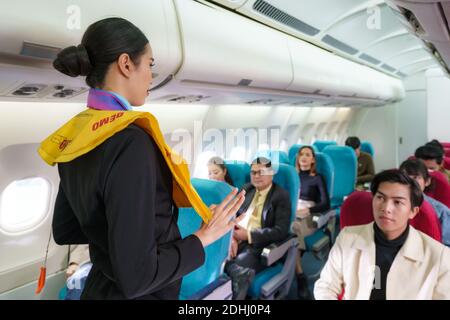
(345, 171)
(322, 144)
(367, 147)
(239, 172)
(356, 209)
(275, 156)
(440, 188)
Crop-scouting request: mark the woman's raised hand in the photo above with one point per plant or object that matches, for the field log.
(222, 218)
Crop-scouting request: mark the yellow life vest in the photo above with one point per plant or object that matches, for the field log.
(91, 128)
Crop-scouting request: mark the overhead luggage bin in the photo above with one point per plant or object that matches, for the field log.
(223, 48)
(30, 44)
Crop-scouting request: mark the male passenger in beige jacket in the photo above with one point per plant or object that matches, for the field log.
(387, 259)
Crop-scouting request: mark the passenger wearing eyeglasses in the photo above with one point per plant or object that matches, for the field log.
(267, 207)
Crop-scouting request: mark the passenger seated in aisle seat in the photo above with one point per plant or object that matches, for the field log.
(433, 157)
(313, 200)
(79, 254)
(268, 210)
(77, 271)
(366, 168)
(217, 170)
(387, 259)
(416, 169)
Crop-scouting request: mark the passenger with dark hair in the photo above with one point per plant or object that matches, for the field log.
(387, 259)
(268, 210)
(313, 201)
(217, 170)
(120, 184)
(416, 169)
(437, 144)
(433, 156)
(366, 168)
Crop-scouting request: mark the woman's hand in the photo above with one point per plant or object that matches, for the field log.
(221, 221)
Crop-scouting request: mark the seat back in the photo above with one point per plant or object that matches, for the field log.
(345, 169)
(287, 178)
(211, 192)
(440, 188)
(239, 172)
(322, 144)
(275, 156)
(447, 152)
(325, 166)
(446, 144)
(357, 210)
(427, 221)
(366, 146)
(447, 163)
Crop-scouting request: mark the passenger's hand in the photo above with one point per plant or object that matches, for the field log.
(303, 213)
(71, 269)
(221, 221)
(241, 234)
(234, 248)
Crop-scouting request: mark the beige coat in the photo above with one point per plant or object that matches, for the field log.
(79, 254)
(421, 269)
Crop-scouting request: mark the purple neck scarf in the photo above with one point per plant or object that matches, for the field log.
(106, 100)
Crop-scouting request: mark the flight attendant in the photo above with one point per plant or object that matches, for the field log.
(121, 185)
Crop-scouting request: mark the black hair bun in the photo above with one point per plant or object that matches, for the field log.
(73, 61)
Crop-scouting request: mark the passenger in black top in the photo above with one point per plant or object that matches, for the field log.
(314, 189)
(313, 199)
(385, 252)
(118, 197)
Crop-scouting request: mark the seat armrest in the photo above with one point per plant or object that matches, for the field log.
(220, 289)
(276, 251)
(321, 219)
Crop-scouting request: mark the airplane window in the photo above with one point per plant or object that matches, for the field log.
(284, 145)
(17, 215)
(201, 168)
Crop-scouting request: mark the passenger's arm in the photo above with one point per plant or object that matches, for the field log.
(282, 211)
(442, 288)
(324, 204)
(65, 226)
(140, 264)
(368, 177)
(330, 284)
(79, 254)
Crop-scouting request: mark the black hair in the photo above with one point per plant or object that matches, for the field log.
(262, 160)
(416, 167)
(102, 44)
(430, 152)
(353, 142)
(398, 176)
(218, 161)
(436, 144)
